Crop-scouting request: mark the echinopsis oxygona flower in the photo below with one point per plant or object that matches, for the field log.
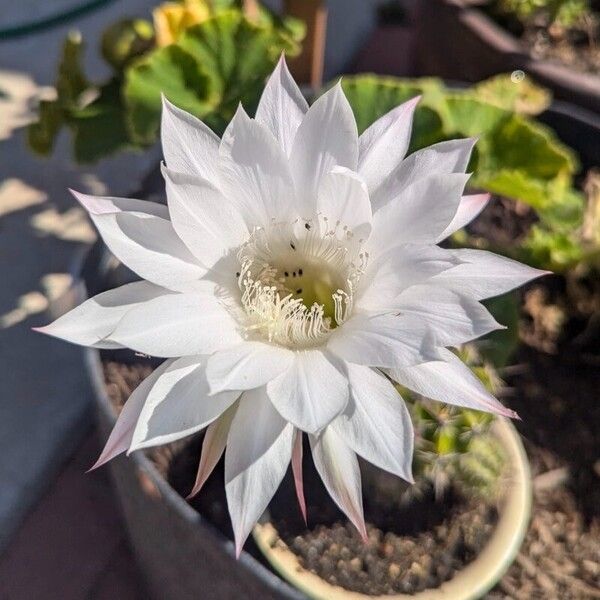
(293, 276)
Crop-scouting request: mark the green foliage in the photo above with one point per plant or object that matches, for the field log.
(125, 40)
(514, 93)
(515, 157)
(562, 13)
(95, 116)
(212, 67)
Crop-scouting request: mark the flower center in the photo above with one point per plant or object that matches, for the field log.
(297, 281)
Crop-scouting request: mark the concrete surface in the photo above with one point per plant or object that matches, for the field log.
(44, 398)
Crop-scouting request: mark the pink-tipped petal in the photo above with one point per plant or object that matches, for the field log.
(122, 433)
(338, 467)
(213, 446)
(297, 471)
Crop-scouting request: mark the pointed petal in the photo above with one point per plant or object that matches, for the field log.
(108, 205)
(203, 218)
(297, 471)
(450, 381)
(145, 243)
(419, 214)
(483, 274)
(468, 209)
(310, 393)
(213, 446)
(383, 145)
(453, 318)
(440, 159)
(376, 424)
(122, 433)
(254, 172)
(343, 199)
(382, 341)
(92, 321)
(398, 270)
(326, 137)
(189, 146)
(259, 449)
(247, 365)
(338, 467)
(179, 404)
(282, 106)
(177, 325)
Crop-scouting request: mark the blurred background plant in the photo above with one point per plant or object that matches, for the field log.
(206, 56)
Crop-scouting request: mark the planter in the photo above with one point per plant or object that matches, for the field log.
(463, 43)
(473, 581)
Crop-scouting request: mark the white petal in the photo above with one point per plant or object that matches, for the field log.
(383, 145)
(144, 242)
(213, 446)
(282, 106)
(108, 205)
(202, 217)
(189, 146)
(398, 270)
(311, 392)
(179, 404)
(92, 321)
(246, 366)
(326, 137)
(259, 449)
(177, 325)
(122, 433)
(484, 274)
(338, 467)
(440, 159)
(255, 174)
(419, 214)
(453, 318)
(382, 341)
(450, 381)
(343, 198)
(468, 209)
(376, 423)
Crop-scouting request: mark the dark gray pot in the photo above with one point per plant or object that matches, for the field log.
(458, 42)
(179, 553)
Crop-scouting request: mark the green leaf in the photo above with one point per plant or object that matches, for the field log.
(100, 128)
(175, 73)
(42, 133)
(213, 67)
(519, 95)
(70, 84)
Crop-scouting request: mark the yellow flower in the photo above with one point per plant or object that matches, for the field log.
(171, 19)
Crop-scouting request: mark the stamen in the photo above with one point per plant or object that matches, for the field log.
(283, 315)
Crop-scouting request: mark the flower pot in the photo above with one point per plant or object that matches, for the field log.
(459, 42)
(473, 581)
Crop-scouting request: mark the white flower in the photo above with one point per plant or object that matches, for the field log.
(294, 274)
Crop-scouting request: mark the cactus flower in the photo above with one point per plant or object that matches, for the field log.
(293, 276)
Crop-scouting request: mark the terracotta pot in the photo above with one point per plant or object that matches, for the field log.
(473, 581)
(462, 43)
